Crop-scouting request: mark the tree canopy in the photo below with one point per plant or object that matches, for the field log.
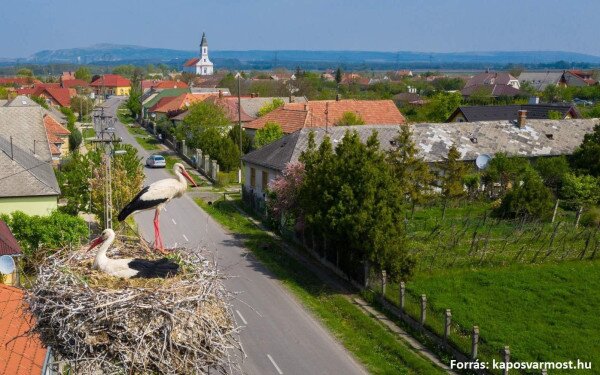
(270, 107)
(350, 118)
(269, 133)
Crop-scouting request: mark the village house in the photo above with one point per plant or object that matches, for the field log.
(295, 116)
(566, 78)
(492, 84)
(511, 112)
(526, 138)
(53, 93)
(111, 84)
(21, 353)
(200, 65)
(27, 180)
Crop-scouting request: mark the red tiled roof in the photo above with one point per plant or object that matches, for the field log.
(490, 78)
(21, 354)
(191, 62)
(179, 102)
(54, 150)
(26, 91)
(20, 81)
(291, 120)
(375, 112)
(230, 106)
(170, 85)
(54, 126)
(8, 242)
(111, 80)
(71, 83)
(61, 95)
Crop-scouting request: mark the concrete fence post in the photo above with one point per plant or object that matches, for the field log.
(423, 310)
(198, 158)
(383, 282)
(474, 342)
(366, 271)
(206, 163)
(447, 324)
(213, 170)
(505, 359)
(402, 294)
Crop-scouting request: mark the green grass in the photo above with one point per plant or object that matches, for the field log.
(124, 116)
(545, 312)
(148, 143)
(137, 130)
(372, 344)
(88, 133)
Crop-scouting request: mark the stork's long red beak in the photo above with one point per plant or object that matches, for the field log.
(95, 242)
(189, 178)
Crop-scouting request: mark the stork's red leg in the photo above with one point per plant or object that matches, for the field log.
(158, 244)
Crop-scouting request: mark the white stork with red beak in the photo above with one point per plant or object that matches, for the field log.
(156, 196)
(129, 267)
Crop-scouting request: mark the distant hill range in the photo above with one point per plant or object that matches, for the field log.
(113, 54)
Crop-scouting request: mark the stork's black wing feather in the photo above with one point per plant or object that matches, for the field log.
(138, 204)
(160, 268)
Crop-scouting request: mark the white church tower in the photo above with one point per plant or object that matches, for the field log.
(201, 66)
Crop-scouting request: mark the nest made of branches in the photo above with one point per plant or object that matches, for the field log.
(102, 324)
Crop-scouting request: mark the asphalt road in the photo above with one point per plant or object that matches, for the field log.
(279, 335)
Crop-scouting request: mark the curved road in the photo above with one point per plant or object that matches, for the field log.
(279, 335)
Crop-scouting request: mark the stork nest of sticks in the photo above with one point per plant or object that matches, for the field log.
(101, 324)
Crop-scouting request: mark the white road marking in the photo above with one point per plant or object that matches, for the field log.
(241, 317)
(174, 222)
(186, 238)
(275, 364)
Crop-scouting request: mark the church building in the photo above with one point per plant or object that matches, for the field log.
(201, 65)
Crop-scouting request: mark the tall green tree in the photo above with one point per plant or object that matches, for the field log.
(530, 199)
(267, 134)
(586, 159)
(25, 72)
(411, 172)
(441, 106)
(351, 199)
(83, 73)
(553, 171)
(234, 134)
(338, 75)
(504, 170)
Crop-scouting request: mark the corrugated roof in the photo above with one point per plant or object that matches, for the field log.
(537, 138)
(21, 354)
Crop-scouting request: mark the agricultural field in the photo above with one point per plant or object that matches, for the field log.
(532, 286)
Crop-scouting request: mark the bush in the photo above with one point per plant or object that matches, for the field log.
(591, 218)
(75, 139)
(43, 235)
(529, 198)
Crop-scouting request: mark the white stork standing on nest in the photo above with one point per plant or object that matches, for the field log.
(129, 267)
(155, 196)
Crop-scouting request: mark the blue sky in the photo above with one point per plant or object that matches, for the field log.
(27, 26)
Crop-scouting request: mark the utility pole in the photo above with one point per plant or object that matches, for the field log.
(240, 125)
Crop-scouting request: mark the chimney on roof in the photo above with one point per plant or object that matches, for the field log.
(338, 97)
(522, 118)
(305, 106)
(291, 98)
(252, 95)
(220, 94)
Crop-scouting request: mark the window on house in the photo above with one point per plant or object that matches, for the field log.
(265, 180)
(252, 177)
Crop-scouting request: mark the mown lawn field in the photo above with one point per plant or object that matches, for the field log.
(547, 312)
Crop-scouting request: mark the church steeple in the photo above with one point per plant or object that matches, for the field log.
(203, 43)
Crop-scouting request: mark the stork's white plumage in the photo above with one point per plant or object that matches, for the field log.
(156, 196)
(128, 267)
